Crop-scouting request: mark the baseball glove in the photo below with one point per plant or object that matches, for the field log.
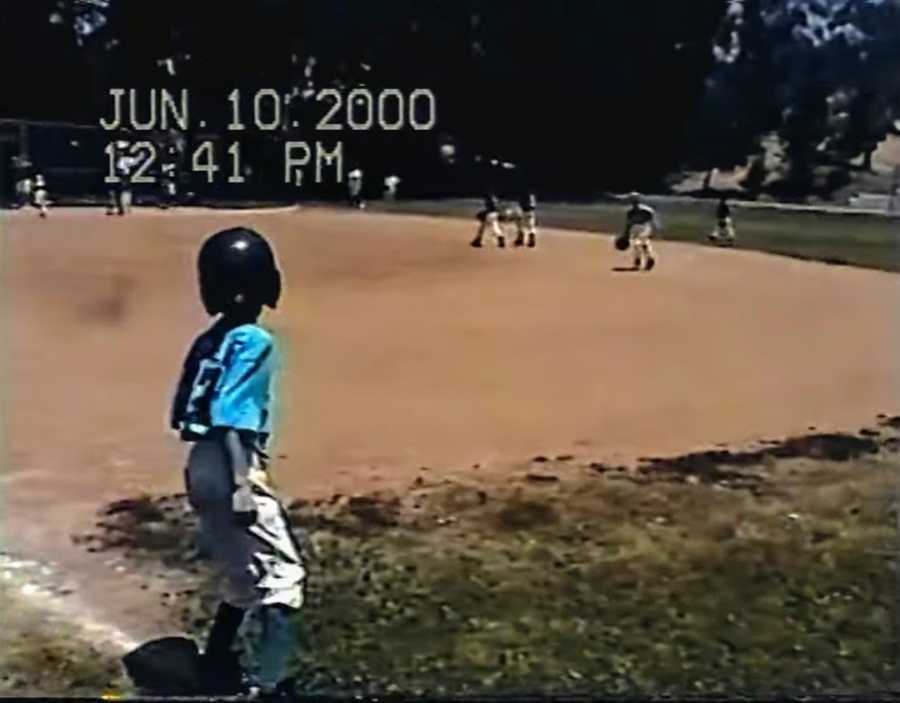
(622, 242)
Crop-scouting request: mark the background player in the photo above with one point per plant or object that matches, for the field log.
(41, 196)
(169, 178)
(354, 186)
(24, 182)
(391, 182)
(120, 193)
(526, 221)
(724, 233)
(222, 406)
(641, 223)
(489, 217)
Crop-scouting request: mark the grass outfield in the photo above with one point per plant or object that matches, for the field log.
(762, 571)
(856, 239)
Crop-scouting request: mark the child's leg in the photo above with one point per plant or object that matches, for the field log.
(637, 250)
(220, 668)
(643, 252)
(532, 229)
(40, 201)
(260, 564)
(495, 229)
(482, 224)
(520, 229)
(224, 630)
(520, 235)
(730, 231)
(275, 646)
(649, 256)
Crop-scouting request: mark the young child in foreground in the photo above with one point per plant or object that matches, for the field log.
(223, 408)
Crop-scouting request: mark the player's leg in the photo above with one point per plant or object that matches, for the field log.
(649, 254)
(125, 205)
(730, 232)
(220, 669)
(636, 248)
(275, 647)
(644, 258)
(279, 585)
(209, 488)
(650, 257)
(261, 568)
(482, 225)
(532, 229)
(496, 231)
(520, 222)
(520, 234)
(40, 202)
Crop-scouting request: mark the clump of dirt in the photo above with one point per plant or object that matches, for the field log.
(893, 421)
(163, 527)
(524, 514)
(707, 466)
(374, 511)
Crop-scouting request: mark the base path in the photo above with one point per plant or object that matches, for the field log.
(404, 347)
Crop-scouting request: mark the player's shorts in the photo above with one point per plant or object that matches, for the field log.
(528, 220)
(640, 235)
(510, 214)
(260, 564)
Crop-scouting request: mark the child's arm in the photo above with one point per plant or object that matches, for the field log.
(242, 501)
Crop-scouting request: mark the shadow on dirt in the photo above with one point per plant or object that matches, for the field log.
(110, 306)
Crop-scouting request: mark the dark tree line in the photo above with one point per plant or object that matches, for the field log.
(822, 77)
(579, 95)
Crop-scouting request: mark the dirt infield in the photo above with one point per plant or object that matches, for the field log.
(404, 347)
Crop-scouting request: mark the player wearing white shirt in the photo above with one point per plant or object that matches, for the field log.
(641, 223)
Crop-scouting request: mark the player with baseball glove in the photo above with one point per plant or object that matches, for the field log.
(641, 223)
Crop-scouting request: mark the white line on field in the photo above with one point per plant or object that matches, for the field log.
(23, 578)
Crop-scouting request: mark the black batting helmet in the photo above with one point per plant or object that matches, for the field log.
(237, 262)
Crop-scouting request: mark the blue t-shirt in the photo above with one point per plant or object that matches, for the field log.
(227, 382)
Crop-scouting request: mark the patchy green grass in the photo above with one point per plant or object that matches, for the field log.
(752, 572)
(849, 239)
(43, 657)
